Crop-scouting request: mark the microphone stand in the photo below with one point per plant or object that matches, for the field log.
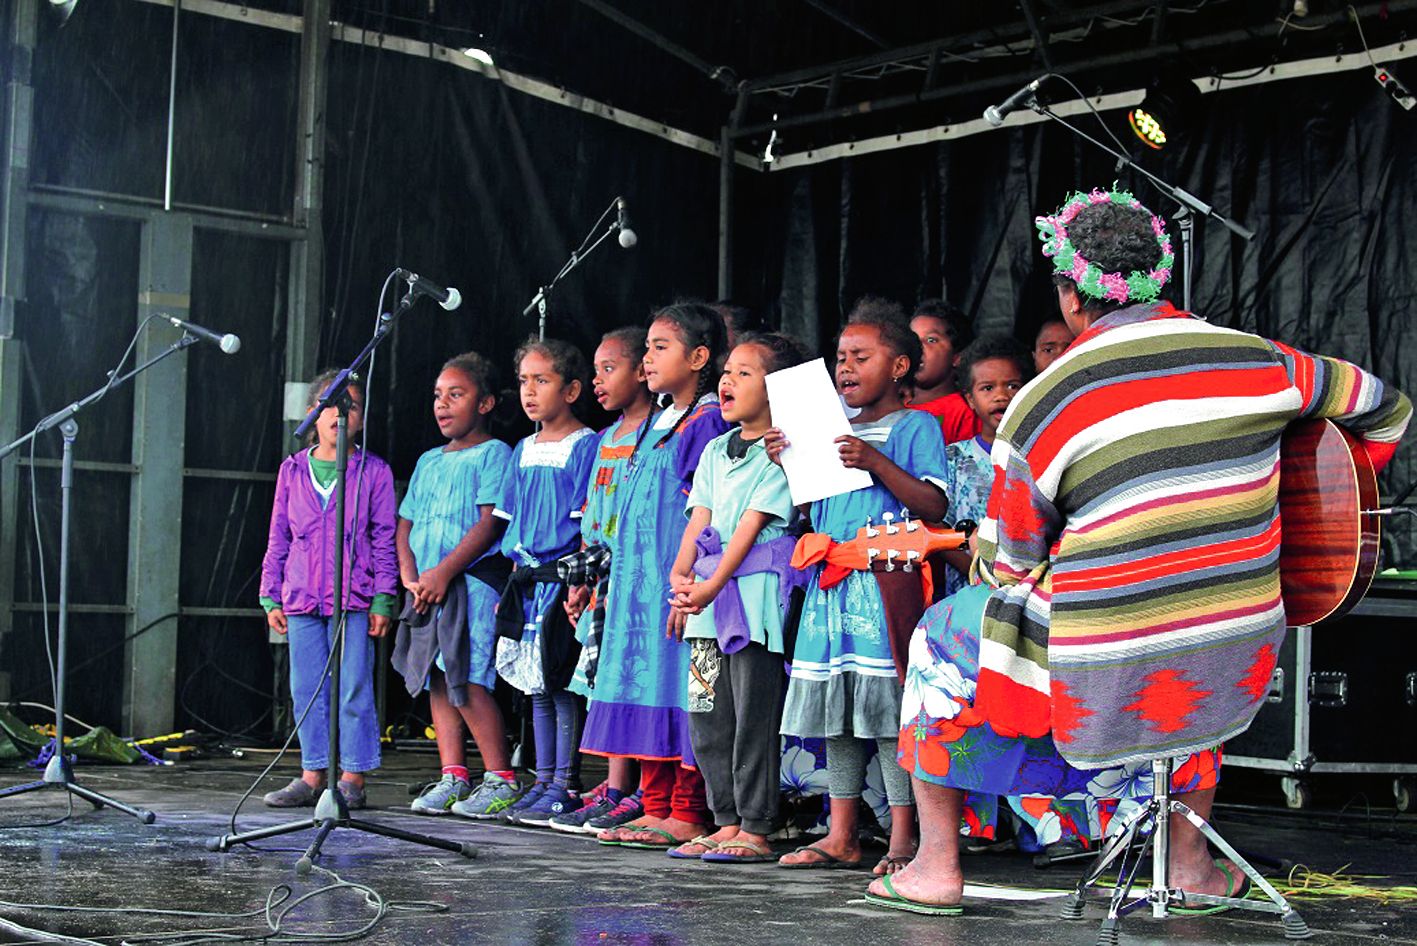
(578, 256)
(1190, 205)
(59, 772)
(331, 810)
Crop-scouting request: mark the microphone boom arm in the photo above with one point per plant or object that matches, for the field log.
(578, 255)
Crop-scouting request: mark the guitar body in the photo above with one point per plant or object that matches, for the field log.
(1329, 550)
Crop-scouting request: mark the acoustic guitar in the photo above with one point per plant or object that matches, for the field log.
(899, 543)
(1328, 497)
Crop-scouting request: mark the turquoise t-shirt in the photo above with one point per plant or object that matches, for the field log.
(728, 488)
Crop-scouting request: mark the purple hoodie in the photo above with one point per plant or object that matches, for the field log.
(298, 570)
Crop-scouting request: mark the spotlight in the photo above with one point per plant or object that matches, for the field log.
(1169, 105)
(63, 9)
(478, 55)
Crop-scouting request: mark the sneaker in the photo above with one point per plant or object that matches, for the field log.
(531, 797)
(440, 796)
(628, 810)
(574, 822)
(298, 794)
(491, 799)
(556, 800)
(354, 797)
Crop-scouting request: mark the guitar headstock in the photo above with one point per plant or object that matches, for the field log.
(902, 541)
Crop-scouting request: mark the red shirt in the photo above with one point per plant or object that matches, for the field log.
(957, 421)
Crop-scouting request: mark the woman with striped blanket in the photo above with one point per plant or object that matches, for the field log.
(1132, 549)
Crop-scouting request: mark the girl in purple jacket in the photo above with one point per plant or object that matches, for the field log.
(297, 591)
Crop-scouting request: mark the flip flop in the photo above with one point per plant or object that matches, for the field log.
(1232, 890)
(894, 901)
(827, 862)
(759, 854)
(708, 844)
(622, 829)
(670, 841)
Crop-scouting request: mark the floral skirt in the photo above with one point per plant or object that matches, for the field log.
(943, 740)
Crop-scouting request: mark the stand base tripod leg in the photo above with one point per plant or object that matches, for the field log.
(98, 801)
(23, 789)
(225, 841)
(307, 860)
(456, 847)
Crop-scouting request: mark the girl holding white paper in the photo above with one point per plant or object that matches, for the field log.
(845, 683)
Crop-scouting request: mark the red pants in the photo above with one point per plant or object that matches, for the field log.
(672, 791)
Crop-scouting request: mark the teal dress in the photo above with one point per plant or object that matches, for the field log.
(639, 705)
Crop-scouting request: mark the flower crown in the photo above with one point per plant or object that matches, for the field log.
(1135, 286)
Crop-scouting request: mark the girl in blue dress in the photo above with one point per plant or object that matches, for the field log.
(639, 706)
(619, 385)
(844, 684)
(542, 503)
(447, 536)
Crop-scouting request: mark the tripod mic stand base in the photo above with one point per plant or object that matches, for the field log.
(58, 774)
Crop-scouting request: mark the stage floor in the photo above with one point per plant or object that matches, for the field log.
(540, 887)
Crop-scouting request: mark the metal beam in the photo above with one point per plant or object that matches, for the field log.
(726, 190)
(723, 75)
(1013, 79)
(307, 258)
(1040, 38)
(826, 9)
(155, 517)
(77, 200)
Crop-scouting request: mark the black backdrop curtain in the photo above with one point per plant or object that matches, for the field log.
(452, 175)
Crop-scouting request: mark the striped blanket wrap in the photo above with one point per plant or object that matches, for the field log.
(1133, 532)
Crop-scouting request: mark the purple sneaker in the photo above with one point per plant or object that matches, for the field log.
(626, 811)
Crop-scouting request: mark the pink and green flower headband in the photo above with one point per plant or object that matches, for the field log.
(1135, 286)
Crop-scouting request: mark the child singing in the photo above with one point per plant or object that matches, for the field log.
(728, 603)
(845, 681)
(450, 565)
(297, 591)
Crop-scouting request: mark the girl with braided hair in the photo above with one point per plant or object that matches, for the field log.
(639, 705)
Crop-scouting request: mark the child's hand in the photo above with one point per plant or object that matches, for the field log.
(275, 620)
(857, 454)
(679, 582)
(415, 592)
(577, 600)
(379, 625)
(674, 629)
(696, 597)
(434, 585)
(774, 442)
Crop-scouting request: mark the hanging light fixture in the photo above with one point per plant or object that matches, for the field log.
(62, 8)
(1168, 108)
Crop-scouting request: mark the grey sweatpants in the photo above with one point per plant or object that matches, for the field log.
(735, 708)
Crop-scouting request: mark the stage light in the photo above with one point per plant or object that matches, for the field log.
(63, 9)
(1165, 112)
(478, 55)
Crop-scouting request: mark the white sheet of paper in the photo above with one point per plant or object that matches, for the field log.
(806, 408)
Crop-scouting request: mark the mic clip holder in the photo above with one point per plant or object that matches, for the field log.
(588, 246)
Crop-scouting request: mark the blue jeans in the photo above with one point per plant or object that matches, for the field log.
(311, 637)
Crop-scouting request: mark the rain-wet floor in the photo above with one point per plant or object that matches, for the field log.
(532, 886)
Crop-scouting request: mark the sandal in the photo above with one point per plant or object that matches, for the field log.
(757, 853)
(1233, 890)
(708, 844)
(670, 841)
(825, 862)
(895, 901)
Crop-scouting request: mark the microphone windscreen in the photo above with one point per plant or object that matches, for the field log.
(230, 344)
(628, 238)
(453, 301)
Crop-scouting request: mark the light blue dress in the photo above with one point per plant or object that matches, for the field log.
(843, 679)
(442, 502)
(969, 476)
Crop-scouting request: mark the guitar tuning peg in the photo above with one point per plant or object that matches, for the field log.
(912, 555)
(889, 518)
(911, 525)
(907, 567)
(890, 558)
(872, 554)
(871, 532)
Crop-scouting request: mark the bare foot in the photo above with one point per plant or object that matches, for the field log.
(647, 831)
(846, 850)
(924, 882)
(893, 862)
(1207, 878)
(623, 832)
(702, 845)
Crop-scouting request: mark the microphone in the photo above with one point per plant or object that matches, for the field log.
(228, 343)
(448, 298)
(1023, 98)
(622, 223)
